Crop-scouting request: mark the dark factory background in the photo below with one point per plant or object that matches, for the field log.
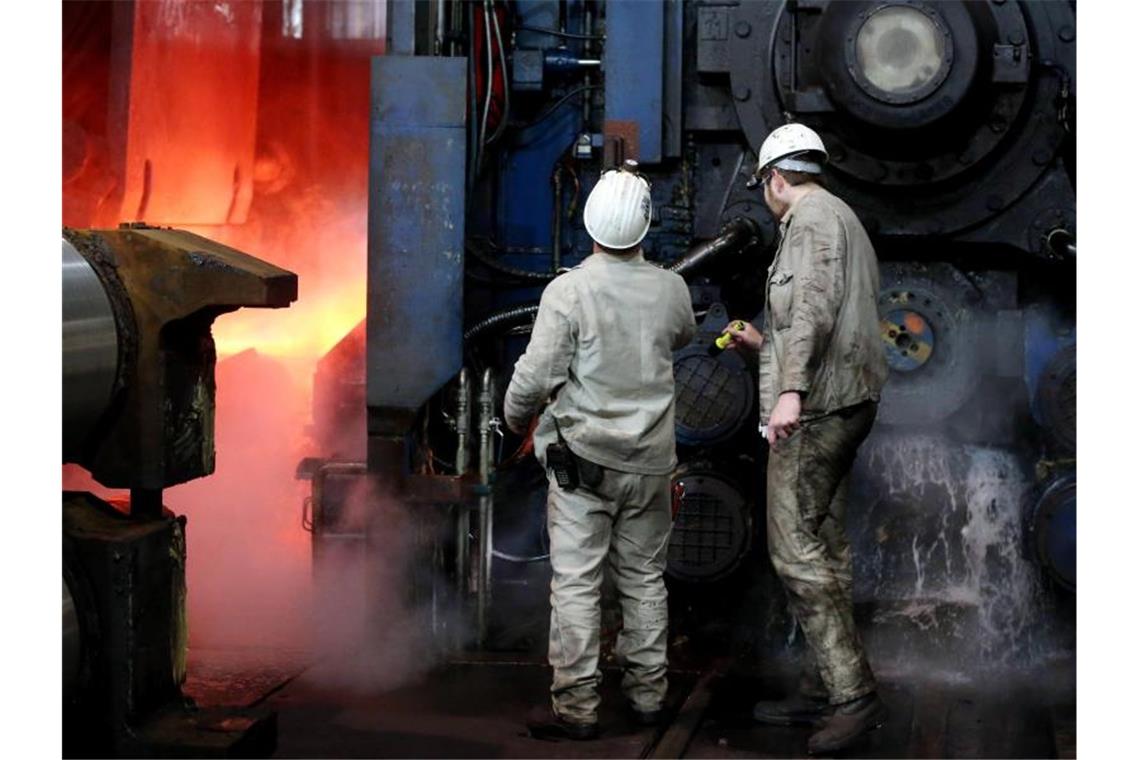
(315, 234)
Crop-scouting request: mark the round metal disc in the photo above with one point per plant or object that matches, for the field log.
(908, 338)
(710, 529)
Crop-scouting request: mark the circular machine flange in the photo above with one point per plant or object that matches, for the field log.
(1056, 400)
(911, 162)
(928, 338)
(710, 529)
(1052, 527)
(908, 338)
(714, 395)
(899, 52)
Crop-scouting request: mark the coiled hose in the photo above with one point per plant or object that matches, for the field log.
(512, 316)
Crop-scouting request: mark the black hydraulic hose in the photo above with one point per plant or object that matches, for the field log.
(498, 266)
(557, 33)
(508, 317)
(734, 236)
(517, 558)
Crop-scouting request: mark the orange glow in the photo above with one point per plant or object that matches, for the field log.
(329, 303)
(914, 324)
(290, 133)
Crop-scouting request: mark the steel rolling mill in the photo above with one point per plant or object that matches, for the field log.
(482, 128)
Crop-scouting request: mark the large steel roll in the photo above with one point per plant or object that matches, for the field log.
(90, 349)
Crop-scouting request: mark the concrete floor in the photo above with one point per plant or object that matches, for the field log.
(477, 708)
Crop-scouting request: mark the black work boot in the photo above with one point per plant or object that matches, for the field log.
(848, 723)
(543, 723)
(811, 684)
(796, 710)
(646, 718)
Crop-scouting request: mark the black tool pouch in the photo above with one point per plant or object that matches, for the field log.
(569, 469)
(562, 463)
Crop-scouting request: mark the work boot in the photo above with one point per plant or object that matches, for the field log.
(543, 723)
(796, 710)
(850, 721)
(646, 718)
(812, 685)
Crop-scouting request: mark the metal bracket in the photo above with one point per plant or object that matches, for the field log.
(1011, 64)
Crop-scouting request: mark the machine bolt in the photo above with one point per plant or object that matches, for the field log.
(1066, 33)
(1016, 38)
(743, 29)
(742, 93)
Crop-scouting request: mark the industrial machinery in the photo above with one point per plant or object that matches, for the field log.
(138, 413)
(951, 132)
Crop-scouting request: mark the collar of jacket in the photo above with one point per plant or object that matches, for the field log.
(787, 217)
(601, 257)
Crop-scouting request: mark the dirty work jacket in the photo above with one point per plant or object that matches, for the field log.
(821, 314)
(602, 347)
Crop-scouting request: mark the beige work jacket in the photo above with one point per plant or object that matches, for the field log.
(602, 353)
(821, 316)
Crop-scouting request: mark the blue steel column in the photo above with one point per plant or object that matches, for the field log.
(416, 199)
(635, 66)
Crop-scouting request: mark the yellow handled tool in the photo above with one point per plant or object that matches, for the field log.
(725, 338)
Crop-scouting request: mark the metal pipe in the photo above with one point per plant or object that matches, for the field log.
(587, 46)
(734, 236)
(486, 503)
(439, 28)
(72, 643)
(90, 350)
(556, 243)
(1060, 242)
(462, 455)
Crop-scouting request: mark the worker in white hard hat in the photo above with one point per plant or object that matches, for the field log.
(822, 367)
(599, 372)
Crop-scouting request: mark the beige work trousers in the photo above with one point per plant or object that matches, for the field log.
(808, 480)
(626, 522)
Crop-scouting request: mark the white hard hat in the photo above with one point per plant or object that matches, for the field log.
(793, 147)
(618, 210)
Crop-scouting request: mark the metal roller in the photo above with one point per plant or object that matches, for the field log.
(710, 527)
(714, 394)
(1056, 401)
(1051, 529)
(90, 349)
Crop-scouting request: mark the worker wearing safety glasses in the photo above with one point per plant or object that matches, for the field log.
(822, 367)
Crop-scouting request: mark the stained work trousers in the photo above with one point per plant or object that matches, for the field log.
(807, 501)
(625, 521)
